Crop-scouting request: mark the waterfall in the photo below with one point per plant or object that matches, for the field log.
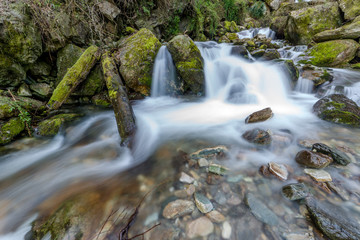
(253, 32)
(164, 74)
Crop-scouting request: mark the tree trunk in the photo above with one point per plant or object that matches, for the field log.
(74, 76)
(123, 111)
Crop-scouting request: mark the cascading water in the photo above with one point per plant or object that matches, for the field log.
(235, 88)
(253, 32)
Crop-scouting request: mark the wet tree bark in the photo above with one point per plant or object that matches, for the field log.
(123, 111)
(74, 76)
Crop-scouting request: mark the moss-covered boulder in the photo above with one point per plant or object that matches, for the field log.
(10, 129)
(40, 68)
(19, 36)
(338, 109)
(51, 126)
(275, 4)
(188, 62)
(351, 8)
(304, 23)
(66, 58)
(286, 8)
(231, 27)
(9, 108)
(137, 56)
(333, 53)
(41, 90)
(278, 24)
(11, 73)
(348, 31)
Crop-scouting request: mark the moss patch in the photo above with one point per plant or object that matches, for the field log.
(10, 130)
(51, 127)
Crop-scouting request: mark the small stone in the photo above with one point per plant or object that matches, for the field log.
(184, 178)
(203, 203)
(318, 175)
(233, 200)
(278, 170)
(257, 136)
(337, 155)
(190, 190)
(295, 191)
(109, 10)
(203, 162)
(261, 211)
(234, 178)
(178, 208)
(259, 116)
(24, 91)
(264, 170)
(209, 153)
(217, 169)
(313, 159)
(226, 230)
(41, 89)
(215, 216)
(200, 227)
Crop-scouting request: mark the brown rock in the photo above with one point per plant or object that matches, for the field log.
(257, 136)
(200, 227)
(278, 170)
(259, 116)
(313, 159)
(178, 208)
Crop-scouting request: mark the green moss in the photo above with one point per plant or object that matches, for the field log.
(130, 30)
(356, 66)
(257, 10)
(51, 127)
(342, 117)
(11, 73)
(10, 130)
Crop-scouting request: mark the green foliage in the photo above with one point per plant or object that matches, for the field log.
(234, 10)
(173, 26)
(257, 10)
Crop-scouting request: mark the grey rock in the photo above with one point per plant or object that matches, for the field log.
(295, 191)
(203, 203)
(313, 159)
(259, 116)
(337, 155)
(261, 211)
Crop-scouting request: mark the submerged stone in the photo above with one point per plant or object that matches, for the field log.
(318, 175)
(200, 227)
(261, 211)
(217, 169)
(338, 108)
(337, 155)
(313, 159)
(257, 136)
(51, 126)
(203, 203)
(178, 208)
(209, 153)
(332, 220)
(295, 191)
(279, 170)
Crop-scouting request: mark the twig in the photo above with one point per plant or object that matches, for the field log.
(142, 234)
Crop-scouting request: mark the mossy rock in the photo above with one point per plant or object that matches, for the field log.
(351, 8)
(303, 24)
(348, 31)
(19, 36)
(10, 129)
(356, 66)
(286, 8)
(275, 4)
(333, 53)
(8, 106)
(338, 109)
(137, 56)
(278, 24)
(51, 127)
(292, 70)
(41, 90)
(231, 27)
(101, 99)
(318, 76)
(188, 62)
(40, 68)
(11, 73)
(92, 85)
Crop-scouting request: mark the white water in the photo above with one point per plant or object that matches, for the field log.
(253, 32)
(234, 89)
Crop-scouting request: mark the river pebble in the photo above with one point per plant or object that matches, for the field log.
(178, 208)
(261, 211)
(313, 159)
(226, 230)
(278, 170)
(318, 175)
(200, 227)
(184, 178)
(216, 216)
(203, 203)
(295, 191)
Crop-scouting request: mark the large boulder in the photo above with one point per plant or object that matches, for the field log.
(11, 73)
(137, 56)
(10, 129)
(333, 53)
(348, 31)
(351, 8)
(304, 23)
(338, 109)
(10, 108)
(188, 62)
(19, 36)
(275, 4)
(51, 126)
(286, 8)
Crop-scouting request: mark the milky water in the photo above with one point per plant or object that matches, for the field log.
(235, 88)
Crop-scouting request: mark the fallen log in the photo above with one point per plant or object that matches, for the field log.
(123, 111)
(74, 76)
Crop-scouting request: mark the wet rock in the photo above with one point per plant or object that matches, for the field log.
(295, 191)
(188, 62)
(259, 116)
(216, 216)
(338, 108)
(317, 75)
(333, 221)
(247, 227)
(101, 99)
(163, 232)
(351, 8)
(304, 23)
(239, 50)
(318, 175)
(209, 153)
(333, 53)
(217, 169)
(257, 136)
(203, 203)
(304, 235)
(200, 227)
(313, 159)
(264, 170)
(261, 211)
(51, 126)
(202, 162)
(337, 155)
(258, 53)
(184, 178)
(270, 54)
(348, 31)
(10, 129)
(233, 200)
(226, 230)
(292, 70)
(278, 24)
(178, 208)
(137, 56)
(9, 109)
(279, 170)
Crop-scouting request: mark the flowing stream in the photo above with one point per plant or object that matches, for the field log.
(90, 153)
